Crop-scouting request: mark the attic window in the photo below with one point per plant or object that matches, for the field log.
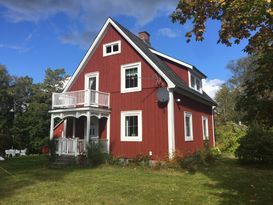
(195, 83)
(111, 48)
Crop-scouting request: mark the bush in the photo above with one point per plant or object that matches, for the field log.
(96, 154)
(140, 159)
(205, 156)
(228, 136)
(52, 145)
(256, 145)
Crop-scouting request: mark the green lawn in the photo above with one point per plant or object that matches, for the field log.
(29, 181)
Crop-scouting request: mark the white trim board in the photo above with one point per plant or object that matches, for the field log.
(171, 128)
(94, 45)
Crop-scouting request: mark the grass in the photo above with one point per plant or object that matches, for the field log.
(28, 181)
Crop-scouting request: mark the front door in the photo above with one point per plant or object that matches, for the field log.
(94, 128)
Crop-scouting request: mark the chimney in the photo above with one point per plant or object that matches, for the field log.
(145, 36)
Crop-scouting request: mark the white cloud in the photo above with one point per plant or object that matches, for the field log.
(168, 32)
(212, 86)
(21, 49)
(87, 15)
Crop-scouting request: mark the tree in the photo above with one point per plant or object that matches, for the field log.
(6, 108)
(241, 70)
(31, 127)
(240, 19)
(226, 100)
(256, 98)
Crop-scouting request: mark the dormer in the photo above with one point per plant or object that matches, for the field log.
(195, 80)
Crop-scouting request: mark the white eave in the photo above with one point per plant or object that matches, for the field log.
(94, 44)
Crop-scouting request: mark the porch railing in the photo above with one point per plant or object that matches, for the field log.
(80, 98)
(70, 146)
(76, 146)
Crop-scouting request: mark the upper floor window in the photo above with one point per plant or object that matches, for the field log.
(130, 77)
(195, 82)
(111, 48)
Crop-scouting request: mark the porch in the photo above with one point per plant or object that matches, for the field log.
(77, 126)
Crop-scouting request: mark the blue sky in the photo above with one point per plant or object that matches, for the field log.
(39, 34)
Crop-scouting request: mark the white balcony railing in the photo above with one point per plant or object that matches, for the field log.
(80, 98)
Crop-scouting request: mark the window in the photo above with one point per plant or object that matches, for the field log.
(195, 82)
(188, 126)
(111, 48)
(131, 126)
(205, 128)
(130, 77)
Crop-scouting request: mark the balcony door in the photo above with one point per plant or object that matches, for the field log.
(91, 85)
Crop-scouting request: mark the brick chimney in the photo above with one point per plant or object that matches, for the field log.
(145, 36)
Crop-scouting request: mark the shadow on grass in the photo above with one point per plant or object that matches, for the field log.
(19, 173)
(234, 183)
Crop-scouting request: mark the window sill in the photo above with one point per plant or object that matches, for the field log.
(130, 90)
(131, 139)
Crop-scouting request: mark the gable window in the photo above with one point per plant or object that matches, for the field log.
(130, 77)
(195, 82)
(205, 128)
(188, 126)
(131, 125)
(111, 48)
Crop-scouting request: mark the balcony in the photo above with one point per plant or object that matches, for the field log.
(80, 98)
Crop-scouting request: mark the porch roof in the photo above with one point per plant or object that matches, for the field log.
(80, 111)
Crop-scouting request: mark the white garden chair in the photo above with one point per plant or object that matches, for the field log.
(23, 152)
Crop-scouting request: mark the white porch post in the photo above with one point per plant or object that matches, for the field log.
(108, 134)
(65, 127)
(51, 127)
(87, 127)
(74, 127)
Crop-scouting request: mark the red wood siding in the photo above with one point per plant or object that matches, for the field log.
(198, 110)
(180, 70)
(58, 130)
(154, 119)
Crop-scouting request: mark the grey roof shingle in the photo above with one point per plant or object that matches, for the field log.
(181, 86)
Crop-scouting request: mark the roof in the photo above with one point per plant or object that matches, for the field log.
(172, 79)
(180, 85)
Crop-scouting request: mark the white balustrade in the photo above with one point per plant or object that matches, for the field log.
(80, 98)
(76, 146)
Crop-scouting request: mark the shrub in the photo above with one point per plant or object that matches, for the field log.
(96, 153)
(256, 145)
(205, 156)
(52, 145)
(228, 136)
(140, 159)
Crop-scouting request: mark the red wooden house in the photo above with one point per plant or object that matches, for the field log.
(134, 98)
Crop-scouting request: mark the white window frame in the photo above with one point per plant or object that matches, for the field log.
(123, 115)
(90, 75)
(190, 74)
(205, 135)
(111, 44)
(188, 138)
(123, 68)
